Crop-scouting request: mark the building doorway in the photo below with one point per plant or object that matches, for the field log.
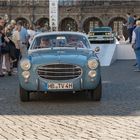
(24, 21)
(42, 22)
(90, 23)
(118, 28)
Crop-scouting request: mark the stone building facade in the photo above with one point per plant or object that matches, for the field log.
(77, 15)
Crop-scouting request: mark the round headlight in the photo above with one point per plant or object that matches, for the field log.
(25, 64)
(26, 74)
(92, 73)
(92, 64)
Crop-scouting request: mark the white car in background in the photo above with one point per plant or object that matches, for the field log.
(101, 35)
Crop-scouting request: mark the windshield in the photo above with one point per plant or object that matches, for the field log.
(64, 40)
(102, 29)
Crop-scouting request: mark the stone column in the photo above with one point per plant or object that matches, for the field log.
(79, 22)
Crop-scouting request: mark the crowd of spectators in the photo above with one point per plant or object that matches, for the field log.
(15, 38)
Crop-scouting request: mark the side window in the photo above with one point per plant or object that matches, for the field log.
(85, 42)
(35, 44)
(53, 42)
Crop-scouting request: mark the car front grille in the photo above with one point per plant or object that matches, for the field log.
(99, 33)
(59, 71)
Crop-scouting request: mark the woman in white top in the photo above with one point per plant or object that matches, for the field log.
(31, 33)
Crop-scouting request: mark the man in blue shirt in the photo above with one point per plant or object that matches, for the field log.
(24, 37)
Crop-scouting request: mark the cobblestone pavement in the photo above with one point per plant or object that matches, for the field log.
(73, 117)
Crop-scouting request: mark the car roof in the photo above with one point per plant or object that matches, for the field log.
(60, 33)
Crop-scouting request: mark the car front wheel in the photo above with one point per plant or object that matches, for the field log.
(24, 95)
(95, 95)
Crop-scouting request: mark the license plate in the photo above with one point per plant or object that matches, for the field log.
(99, 38)
(60, 85)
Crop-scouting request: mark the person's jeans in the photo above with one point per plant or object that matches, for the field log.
(1, 62)
(130, 32)
(7, 62)
(137, 52)
(15, 64)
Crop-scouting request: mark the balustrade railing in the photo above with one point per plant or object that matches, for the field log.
(14, 3)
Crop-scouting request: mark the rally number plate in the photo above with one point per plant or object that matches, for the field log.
(60, 85)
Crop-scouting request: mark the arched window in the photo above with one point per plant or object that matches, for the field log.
(24, 21)
(117, 26)
(42, 22)
(68, 24)
(90, 23)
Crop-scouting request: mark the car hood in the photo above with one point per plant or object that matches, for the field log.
(60, 56)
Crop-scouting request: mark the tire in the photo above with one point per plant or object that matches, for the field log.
(24, 95)
(96, 94)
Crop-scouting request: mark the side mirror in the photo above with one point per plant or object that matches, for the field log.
(97, 49)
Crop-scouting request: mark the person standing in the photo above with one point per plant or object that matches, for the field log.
(135, 19)
(23, 38)
(16, 40)
(6, 53)
(1, 55)
(31, 33)
(130, 25)
(136, 43)
(2, 23)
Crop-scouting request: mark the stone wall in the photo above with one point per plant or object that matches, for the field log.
(105, 11)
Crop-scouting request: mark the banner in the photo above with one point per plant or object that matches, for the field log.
(53, 14)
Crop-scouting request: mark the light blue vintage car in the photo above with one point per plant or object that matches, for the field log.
(60, 62)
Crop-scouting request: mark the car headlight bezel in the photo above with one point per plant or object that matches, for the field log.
(25, 64)
(26, 74)
(93, 64)
(92, 73)
(91, 34)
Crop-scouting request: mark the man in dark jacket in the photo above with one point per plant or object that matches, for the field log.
(130, 25)
(2, 23)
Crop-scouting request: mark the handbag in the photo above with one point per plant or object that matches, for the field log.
(12, 49)
(5, 49)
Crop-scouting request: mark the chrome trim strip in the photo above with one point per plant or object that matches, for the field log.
(57, 68)
(59, 76)
(81, 83)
